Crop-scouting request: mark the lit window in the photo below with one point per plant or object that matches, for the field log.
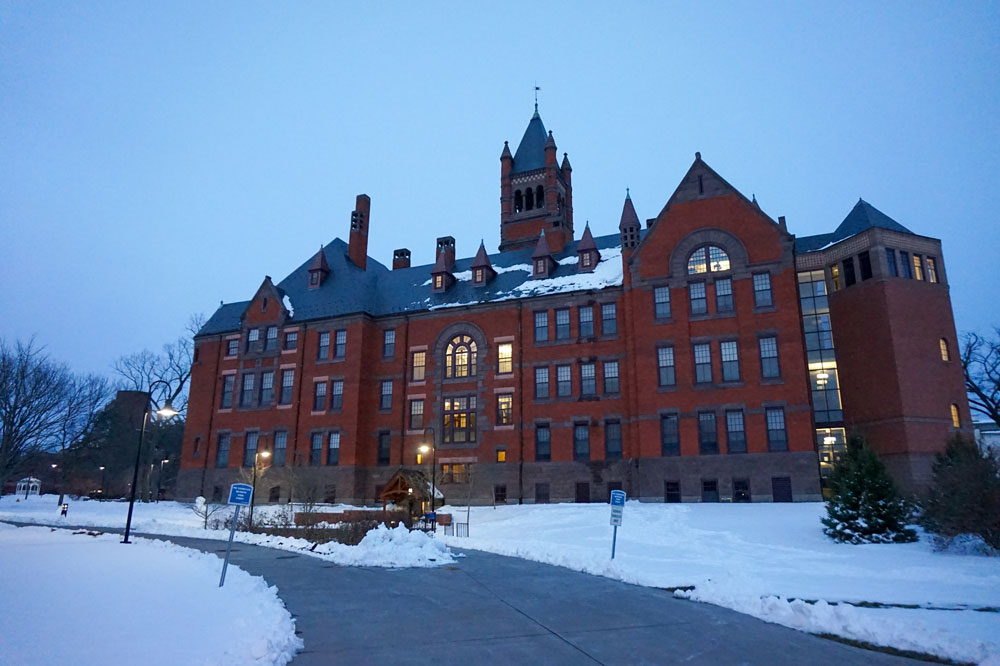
(460, 357)
(585, 259)
(711, 258)
(835, 277)
(945, 356)
(505, 409)
(460, 419)
(505, 358)
(539, 267)
(438, 281)
(477, 275)
(419, 361)
(501, 455)
(955, 418)
(931, 269)
(918, 267)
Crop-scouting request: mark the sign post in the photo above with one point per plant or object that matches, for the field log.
(240, 494)
(617, 508)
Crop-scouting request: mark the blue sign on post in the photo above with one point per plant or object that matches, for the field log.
(240, 493)
(617, 509)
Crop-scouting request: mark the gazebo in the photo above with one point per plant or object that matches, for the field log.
(28, 486)
(411, 489)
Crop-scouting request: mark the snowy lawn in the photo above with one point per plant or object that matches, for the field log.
(768, 560)
(80, 599)
(382, 547)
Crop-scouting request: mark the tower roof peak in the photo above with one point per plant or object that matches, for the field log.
(530, 153)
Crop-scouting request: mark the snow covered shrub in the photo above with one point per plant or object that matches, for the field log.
(965, 496)
(866, 507)
(204, 510)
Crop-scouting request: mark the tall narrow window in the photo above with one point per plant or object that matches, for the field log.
(730, 361)
(611, 377)
(232, 347)
(541, 382)
(696, 292)
(612, 440)
(384, 444)
(505, 358)
(543, 443)
(340, 344)
(385, 395)
(460, 357)
(703, 363)
(333, 449)
(271, 338)
(246, 396)
(670, 437)
(661, 302)
(291, 340)
(588, 379)
(564, 381)
(777, 440)
(562, 324)
(280, 448)
(609, 319)
(324, 346)
(287, 380)
(416, 414)
(724, 295)
(945, 356)
(769, 357)
(267, 387)
(316, 448)
(505, 409)
(541, 326)
(849, 276)
(227, 391)
(736, 436)
(419, 361)
(586, 314)
(665, 366)
(389, 343)
(253, 336)
(918, 267)
(931, 266)
(956, 420)
(337, 394)
(865, 265)
(222, 454)
(319, 396)
(460, 419)
(904, 264)
(762, 297)
(890, 262)
(835, 277)
(250, 449)
(708, 437)
(581, 442)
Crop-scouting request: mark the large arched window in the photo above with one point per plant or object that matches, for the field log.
(460, 357)
(706, 259)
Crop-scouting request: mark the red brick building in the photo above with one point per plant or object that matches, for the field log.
(709, 356)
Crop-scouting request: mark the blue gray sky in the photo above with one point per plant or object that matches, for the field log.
(156, 158)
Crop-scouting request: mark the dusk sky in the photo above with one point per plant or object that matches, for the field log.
(156, 158)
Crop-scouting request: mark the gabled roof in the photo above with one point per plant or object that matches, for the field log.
(863, 216)
(703, 182)
(530, 153)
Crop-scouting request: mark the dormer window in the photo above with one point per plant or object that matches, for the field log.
(313, 278)
(439, 282)
(478, 275)
(540, 266)
(586, 260)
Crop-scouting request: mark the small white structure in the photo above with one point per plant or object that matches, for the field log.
(28, 486)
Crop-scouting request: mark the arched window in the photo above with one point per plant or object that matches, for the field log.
(945, 356)
(460, 357)
(710, 258)
(539, 197)
(518, 202)
(529, 199)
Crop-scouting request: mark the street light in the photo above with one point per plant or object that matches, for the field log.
(102, 480)
(159, 479)
(166, 411)
(424, 448)
(253, 493)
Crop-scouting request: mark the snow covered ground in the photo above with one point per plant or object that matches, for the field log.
(78, 599)
(768, 560)
(383, 547)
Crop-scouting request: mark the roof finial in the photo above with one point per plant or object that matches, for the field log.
(627, 195)
(536, 96)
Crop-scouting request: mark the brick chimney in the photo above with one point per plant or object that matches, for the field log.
(446, 247)
(400, 258)
(358, 246)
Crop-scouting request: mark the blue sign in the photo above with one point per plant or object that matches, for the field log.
(240, 494)
(617, 498)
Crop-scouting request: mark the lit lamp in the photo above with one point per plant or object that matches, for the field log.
(424, 449)
(253, 495)
(102, 480)
(166, 411)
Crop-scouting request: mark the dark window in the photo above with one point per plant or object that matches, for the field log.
(904, 265)
(890, 261)
(416, 414)
(661, 302)
(385, 395)
(246, 396)
(665, 366)
(609, 319)
(227, 391)
(865, 265)
(518, 201)
(287, 380)
(708, 437)
(500, 494)
(274, 494)
(384, 443)
(253, 337)
(316, 448)
(672, 492)
(562, 324)
(777, 439)
(769, 357)
(564, 381)
(419, 366)
(505, 409)
(460, 357)
(709, 490)
(724, 295)
(460, 419)
(613, 486)
(586, 314)
(280, 448)
(541, 493)
(670, 437)
(703, 363)
(611, 377)
(588, 379)
(741, 490)
(541, 326)
(781, 488)
(762, 290)
(582, 493)
(581, 442)
(736, 436)
(222, 455)
(730, 361)
(389, 343)
(505, 358)
(232, 347)
(319, 396)
(324, 346)
(337, 394)
(333, 450)
(849, 276)
(612, 440)
(340, 344)
(696, 292)
(291, 340)
(271, 338)
(543, 443)
(330, 493)
(267, 387)
(541, 382)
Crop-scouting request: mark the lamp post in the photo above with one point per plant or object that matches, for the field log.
(55, 476)
(424, 448)
(159, 478)
(253, 493)
(102, 481)
(166, 411)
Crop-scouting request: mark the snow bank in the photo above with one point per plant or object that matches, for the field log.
(75, 597)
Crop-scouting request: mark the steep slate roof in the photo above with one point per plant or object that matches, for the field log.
(380, 291)
(863, 216)
(530, 153)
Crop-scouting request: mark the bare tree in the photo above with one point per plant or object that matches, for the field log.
(204, 510)
(981, 363)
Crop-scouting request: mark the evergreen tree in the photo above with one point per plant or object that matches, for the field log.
(866, 507)
(965, 497)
